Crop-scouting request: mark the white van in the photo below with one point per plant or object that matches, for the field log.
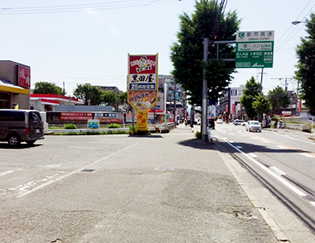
(18, 126)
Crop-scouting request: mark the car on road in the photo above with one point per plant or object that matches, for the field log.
(239, 122)
(219, 121)
(18, 126)
(253, 126)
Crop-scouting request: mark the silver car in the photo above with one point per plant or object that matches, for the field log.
(253, 126)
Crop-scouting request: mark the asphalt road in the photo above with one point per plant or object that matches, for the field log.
(162, 188)
(283, 160)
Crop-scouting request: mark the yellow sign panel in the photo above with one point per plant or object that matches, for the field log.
(142, 121)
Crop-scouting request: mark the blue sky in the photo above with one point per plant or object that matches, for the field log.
(88, 41)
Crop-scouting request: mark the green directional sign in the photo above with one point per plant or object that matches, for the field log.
(254, 49)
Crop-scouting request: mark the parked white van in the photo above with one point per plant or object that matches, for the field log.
(18, 126)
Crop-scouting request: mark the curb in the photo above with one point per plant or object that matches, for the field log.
(280, 236)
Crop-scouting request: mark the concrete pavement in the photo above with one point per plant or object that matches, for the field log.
(162, 188)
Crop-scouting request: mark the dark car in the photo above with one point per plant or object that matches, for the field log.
(18, 126)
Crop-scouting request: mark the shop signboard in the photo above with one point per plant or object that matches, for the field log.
(93, 124)
(75, 116)
(24, 76)
(254, 49)
(142, 85)
(142, 121)
(111, 117)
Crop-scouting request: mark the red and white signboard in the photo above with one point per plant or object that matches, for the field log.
(24, 76)
(75, 116)
(142, 73)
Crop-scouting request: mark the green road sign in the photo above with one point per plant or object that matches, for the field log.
(254, 49)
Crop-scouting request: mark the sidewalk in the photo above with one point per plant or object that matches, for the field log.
(182, 191)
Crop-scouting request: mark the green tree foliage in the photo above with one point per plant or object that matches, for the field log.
(306, 66)
(44, 87)
(278, 99)
(122, 97)
(261, 105)
(109, 98)
(252, 89)
(187, 52)
(88, 92)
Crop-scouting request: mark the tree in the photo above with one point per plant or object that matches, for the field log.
(261, 105)
(306, 66)
(44, 87)
(278, 99)
(187, 52)
(252, 89)
(110, 98)
(88, 93)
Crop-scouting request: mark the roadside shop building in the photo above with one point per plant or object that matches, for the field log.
(15, 83)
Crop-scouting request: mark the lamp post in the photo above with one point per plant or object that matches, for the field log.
(296, 22)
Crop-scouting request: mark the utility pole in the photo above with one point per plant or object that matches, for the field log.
(285, 82)
(204, 92)
(174, 104)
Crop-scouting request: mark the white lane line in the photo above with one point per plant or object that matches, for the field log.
(282, 147)
(279, 178)
(277, 170)
(6, 172)
(313, 203)
(73, 172)
(298, 139)
(307, 155)
(252, 155)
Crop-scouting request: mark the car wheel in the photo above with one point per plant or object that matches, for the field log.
(14, 140)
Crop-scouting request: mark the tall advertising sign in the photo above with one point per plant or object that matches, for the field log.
(142, 86)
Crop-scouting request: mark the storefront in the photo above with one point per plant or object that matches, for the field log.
(15, 83)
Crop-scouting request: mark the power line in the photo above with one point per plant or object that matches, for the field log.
(118, 4)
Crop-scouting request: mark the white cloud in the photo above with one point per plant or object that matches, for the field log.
(92, 12)
(114, 30)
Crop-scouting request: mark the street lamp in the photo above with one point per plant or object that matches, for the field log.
(296, 22)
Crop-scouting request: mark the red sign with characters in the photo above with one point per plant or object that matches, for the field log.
(142, 64)
(75, 116)
(24, 76)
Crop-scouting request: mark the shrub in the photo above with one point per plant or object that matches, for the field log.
(198, 135)
(113, 125)
(132, 130)
(70, 126)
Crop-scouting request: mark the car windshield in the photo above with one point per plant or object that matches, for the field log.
(254, 123)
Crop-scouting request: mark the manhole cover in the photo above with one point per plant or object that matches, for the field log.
(164, 169)
(88, 170)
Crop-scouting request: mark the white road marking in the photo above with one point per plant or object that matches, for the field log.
(252, 155)
(307, 155)
(298, 139)
(6, 172)
(279, 146)
(277, 170)
(279, 178)
(313, 203)
(73, 172)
